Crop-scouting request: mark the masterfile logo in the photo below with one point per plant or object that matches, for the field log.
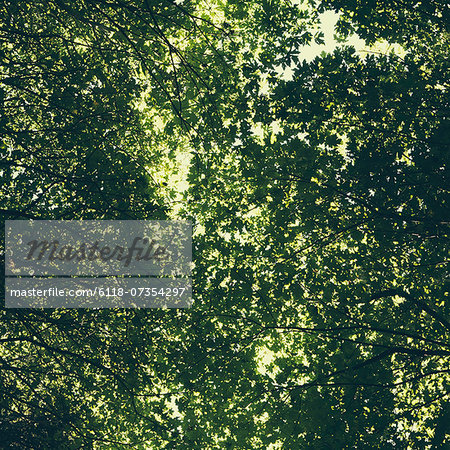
(97, 247)
(56, 250)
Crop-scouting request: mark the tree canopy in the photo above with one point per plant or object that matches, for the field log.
(319, 196)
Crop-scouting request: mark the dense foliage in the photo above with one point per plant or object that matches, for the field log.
(319, 196)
